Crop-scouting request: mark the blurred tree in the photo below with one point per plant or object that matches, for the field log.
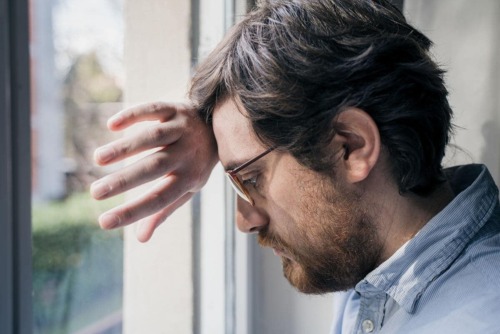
(90, 97)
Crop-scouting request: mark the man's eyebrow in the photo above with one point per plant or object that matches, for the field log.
(233, 164)
(241, 164)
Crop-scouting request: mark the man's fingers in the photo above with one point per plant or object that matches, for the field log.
(185, 154)
(147, 169)
(156, 135)
(165, 192)
(147, 226)
(143, 112)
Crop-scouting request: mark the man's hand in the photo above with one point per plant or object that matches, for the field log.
(186, 153)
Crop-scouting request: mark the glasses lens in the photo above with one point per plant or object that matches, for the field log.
(239, 188)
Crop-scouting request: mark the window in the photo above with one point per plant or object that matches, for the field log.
(76, 84)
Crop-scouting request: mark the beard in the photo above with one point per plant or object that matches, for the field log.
(332, 245)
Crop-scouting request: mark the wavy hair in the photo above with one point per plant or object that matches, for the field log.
(295, 65)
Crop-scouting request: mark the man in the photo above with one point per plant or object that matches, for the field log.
(331, 121)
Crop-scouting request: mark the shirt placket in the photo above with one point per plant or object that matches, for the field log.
(371, 310)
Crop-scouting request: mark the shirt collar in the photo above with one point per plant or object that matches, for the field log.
(406, 274)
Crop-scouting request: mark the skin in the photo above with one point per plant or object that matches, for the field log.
(329, 231)
(174, 138)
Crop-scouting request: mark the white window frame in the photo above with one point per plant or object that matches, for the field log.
(222, 254)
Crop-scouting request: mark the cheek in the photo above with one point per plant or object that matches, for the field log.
(284, 190)
(291, 216)
(290, 193)
(283, 205)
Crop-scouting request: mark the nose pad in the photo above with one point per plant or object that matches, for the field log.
(249, 219)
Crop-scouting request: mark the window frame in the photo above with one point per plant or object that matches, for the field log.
(15, 169)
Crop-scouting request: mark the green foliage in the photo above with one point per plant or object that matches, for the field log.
(77, 267)
(79, 208)
(59, 247)
(62, 230)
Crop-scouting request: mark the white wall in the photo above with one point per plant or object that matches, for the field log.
(158, 289)
(281, 309)
(467, 43)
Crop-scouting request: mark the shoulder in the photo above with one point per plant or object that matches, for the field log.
(465, 296)
(481, 258)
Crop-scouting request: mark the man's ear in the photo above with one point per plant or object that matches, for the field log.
(360, 138)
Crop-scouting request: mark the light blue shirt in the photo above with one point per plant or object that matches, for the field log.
(444, 280)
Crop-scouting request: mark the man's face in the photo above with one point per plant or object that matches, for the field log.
(316, 224)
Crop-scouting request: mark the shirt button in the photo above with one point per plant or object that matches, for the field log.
(368, 326)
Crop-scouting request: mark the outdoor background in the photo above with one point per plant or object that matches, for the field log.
(77, 83)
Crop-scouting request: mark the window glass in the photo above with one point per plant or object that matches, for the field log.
(76, 80)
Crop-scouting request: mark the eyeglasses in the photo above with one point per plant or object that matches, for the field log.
(237, 184)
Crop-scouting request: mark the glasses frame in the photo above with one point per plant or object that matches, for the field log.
(235, 181)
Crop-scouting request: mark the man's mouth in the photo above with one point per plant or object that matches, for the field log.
(265, 241)
(277, 252)
(281, 253)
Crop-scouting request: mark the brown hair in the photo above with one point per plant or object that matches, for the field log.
(295, 65)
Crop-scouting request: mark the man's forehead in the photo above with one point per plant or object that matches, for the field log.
(229, 117)
(233, 131)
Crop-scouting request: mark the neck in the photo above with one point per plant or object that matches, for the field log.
(401, 217)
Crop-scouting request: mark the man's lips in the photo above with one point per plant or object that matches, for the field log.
(277, 252)
(281, 253)
(274, 245)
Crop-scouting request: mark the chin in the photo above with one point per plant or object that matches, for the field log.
(314, 282)
(298, 278)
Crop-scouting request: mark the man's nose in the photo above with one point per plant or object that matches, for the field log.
(250, 219)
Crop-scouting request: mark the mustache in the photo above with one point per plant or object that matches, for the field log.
(266, 238)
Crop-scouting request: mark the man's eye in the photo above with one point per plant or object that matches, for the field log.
(252, 181)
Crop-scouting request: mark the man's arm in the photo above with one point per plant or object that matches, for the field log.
(185, 155)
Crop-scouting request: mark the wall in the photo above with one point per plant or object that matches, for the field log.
(281, 309)
(158, 291)
(467, 43)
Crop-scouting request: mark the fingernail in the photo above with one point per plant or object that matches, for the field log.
(105, 154)
(109, 220)
(100, 189)
(115, 120)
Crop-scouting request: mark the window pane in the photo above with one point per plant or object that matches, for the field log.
(76, 79)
